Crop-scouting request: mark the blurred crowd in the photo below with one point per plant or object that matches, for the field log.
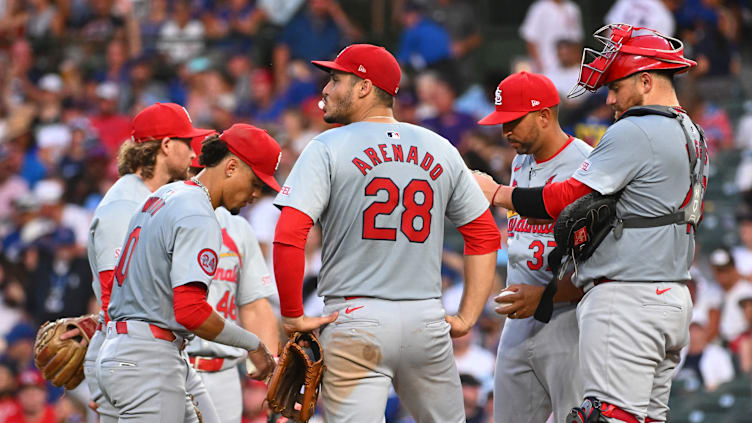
(73, 73)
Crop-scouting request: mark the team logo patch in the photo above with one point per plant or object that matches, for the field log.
(207, 260)
(392, 134)
(585, 165)
(497, 97)
(285, 190)
(580, 236)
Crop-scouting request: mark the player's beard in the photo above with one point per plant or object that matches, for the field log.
(338, 113)
(235, 211)
(177, 174)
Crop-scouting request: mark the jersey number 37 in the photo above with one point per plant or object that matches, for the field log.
(416, 190)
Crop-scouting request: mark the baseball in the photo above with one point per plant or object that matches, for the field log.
(503, 294)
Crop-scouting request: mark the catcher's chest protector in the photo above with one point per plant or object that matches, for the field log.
(585, 223)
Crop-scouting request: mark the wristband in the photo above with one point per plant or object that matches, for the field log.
(235, 336)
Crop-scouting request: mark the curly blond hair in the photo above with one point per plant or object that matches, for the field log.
(134, 156)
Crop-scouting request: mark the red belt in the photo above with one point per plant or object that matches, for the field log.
(159, 333)
(206, 364)
(601, 280)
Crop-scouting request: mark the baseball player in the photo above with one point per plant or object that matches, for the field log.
(166, 263)
(635, 314)
(239, 293)
(381, 190)
(540, 357)
(157, 154)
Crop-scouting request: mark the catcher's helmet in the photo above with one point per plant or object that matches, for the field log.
(628, 50)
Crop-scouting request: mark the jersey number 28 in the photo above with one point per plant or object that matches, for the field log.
(125, 256)
(412, 210)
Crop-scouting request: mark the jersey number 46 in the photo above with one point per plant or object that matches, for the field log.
(412, 209)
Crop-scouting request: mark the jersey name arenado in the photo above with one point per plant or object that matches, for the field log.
(381, 192)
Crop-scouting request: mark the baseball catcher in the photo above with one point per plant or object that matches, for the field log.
(300, 368)
(60, 347)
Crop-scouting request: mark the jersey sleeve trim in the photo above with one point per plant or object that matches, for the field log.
(481, 235)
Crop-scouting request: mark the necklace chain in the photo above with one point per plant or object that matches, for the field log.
(206, 191)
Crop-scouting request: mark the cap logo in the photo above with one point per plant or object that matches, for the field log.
(497, 97)
(361, 69)
(279, 159)
(186, 113)
(534, 103)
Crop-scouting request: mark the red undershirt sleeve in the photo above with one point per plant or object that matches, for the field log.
(289, 259)
(189, 303)
(105, 283)
(481, 235)
(558, 195)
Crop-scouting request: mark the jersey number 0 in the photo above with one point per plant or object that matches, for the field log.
(125, 256)
(412, 210)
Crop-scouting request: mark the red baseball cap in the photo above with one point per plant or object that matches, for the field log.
(256, 148)
(196, 144)
(164, 120)
(519, 94)
(367, 61)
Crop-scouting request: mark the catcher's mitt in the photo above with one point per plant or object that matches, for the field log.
(583, 225)
(301, 365)
(62, 361)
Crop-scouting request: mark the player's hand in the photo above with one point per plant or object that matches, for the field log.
(306, 323)
(458, 326)
(487, 185)
(522, 303)
(72, 334)
(263, 361)
(93, 405)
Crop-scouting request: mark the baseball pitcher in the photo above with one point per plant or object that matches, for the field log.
(542, 358)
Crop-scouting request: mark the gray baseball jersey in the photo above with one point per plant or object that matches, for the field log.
(646, 156)
(242, 278)
(529, 245)
(172, 240)
(106, 233)
(110, 225)
(541, 357)
(381, 191)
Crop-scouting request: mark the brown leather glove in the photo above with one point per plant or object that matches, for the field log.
(62, 360)
(301, 365)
